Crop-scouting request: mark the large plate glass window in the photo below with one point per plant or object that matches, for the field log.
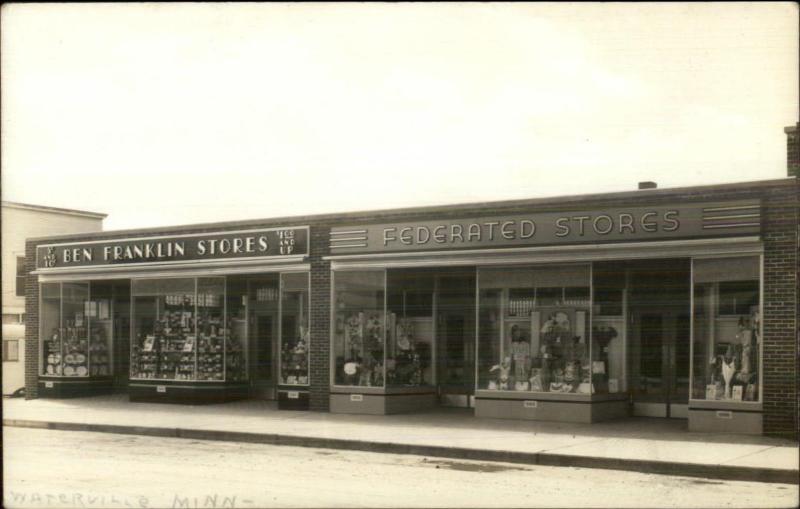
(236, 358)
(211, 328)
(727, 329)
(76, 329)
(99, 311)
(295, 333)
(410, 328)
(359, 328)
(50, 329)
(534, 329)
(608, 327)
(164, 344)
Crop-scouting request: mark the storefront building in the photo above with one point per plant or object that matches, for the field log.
(672, 303)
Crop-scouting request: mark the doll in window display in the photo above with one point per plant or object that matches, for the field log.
(602, 335)
(352, 364)
(520, 358)
(502, 374)
(406, 367)
(555, 332)
(745, 347)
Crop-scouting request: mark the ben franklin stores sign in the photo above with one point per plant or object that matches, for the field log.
(249, 244)
(683, 221)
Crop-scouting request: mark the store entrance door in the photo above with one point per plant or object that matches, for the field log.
(659, 325)
(262, 366)
(455, 337)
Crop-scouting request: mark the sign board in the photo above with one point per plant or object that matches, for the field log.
(530, 404)
(293, 395)
(356, 397)
(161, 388)
(230, 245)
(613, 224)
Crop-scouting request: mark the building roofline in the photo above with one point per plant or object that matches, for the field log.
(369, 215)
(54, 210)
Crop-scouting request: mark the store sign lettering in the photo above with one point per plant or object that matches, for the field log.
(221, 245)
(551, 228)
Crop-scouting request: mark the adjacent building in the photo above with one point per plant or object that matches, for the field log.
(20, 221)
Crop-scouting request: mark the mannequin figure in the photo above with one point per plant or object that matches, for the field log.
(536, 380)
(504, 371)
(728, 369)
(520, 356)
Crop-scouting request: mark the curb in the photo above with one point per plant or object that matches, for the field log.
(706, 471)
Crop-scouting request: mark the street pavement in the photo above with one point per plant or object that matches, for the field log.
(66, 469)
(652, 445)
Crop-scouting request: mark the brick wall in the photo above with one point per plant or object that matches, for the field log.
(793, 150)
(320, 319)
(31, 323)
(780, 348)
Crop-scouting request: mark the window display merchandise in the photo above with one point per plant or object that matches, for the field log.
(180, 331)
(76, 330)
(727, 329)
(533, 329)
(295, 334)
(359, 328)
(410, 328)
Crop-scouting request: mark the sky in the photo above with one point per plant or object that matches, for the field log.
(166, 114)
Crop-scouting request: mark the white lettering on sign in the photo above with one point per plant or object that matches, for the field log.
(530, 404)
(287, 241)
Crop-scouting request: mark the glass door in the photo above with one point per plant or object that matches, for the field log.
(660, 358)
(455, 334)
(263, 310)
(659, 337)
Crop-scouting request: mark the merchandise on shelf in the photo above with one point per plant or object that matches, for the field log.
(294, 359)
(405, 367)
(52, 353)
(99, 352)
(363, 346)
(234, 350)
(555, 358)
(75, 349)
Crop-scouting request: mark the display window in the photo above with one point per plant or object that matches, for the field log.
(164, 344)
(533, 329)
(295, 329)
(726, 356)
(236, 365)
(192, 329)
(609, 302)
(99, 312)
(410, 328)
(76, 329)
(359, 328)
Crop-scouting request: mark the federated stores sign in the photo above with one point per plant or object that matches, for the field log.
(248, 244)
(680, 221)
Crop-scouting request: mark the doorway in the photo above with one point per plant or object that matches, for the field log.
(659, 310)
(263, 308)
(455, 333)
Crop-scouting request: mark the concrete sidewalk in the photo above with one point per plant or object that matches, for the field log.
(659, 446)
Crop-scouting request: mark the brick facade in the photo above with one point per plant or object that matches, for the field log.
(780, 282)
(793, 150)
(320, 319)
(31, 323)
